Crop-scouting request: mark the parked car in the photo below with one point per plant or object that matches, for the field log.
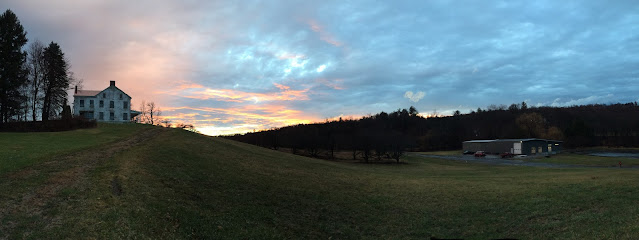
(468, 152)
(506, 155)
(522, 156)
(480, 154)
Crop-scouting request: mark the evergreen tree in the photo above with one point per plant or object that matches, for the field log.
(56, 81)
(413, 111)
(12, 59)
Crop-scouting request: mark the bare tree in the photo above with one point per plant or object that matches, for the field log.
(153, 113)
(188, 127)
(166, 122)
(142, 116)
(150, 113)
(531, 124)
(35, 64)
(23, 110)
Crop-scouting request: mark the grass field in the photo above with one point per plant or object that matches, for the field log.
(173, 184)
(444, 153)
(586, 160)
(568, 158)
(22, 149)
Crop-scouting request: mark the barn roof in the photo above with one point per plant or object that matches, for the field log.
(510, 140)
(479, 141)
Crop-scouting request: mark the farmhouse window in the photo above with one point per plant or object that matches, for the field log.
(103, 95)
(111, 116)
(90, 103)
(125, 116)
(101, 115)
(81, 103)
(112, 104)
(101, 103)
(125, 105)
(120, 96)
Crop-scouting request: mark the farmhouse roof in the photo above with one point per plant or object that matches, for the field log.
(93, 93)
(86, 93)
(113, 86)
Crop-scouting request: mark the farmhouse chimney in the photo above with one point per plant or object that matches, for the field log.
(76, 89)
(112, 83)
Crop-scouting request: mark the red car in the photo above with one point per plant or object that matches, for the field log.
(480, 154)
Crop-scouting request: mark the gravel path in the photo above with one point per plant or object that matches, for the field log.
(495, 160)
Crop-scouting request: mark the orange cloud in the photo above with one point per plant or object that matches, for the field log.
(334, 84)
(281, 87)
(189, 86)
(251, 117)
(324, 35)
(196, 91)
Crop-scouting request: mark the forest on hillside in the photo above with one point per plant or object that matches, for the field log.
(388, 135)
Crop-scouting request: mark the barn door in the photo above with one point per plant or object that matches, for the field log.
(516, 148)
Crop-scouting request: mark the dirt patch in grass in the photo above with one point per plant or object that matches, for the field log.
(23, 174)
(116, 186)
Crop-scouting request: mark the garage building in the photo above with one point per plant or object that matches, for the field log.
(527, 146)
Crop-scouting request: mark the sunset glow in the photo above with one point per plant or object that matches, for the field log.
(245, 119)
(232, 67)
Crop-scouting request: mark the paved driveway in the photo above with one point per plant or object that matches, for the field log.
(496, 160)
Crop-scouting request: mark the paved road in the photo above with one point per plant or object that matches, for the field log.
(495, 160)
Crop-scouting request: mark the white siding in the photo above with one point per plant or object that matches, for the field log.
(111, 94)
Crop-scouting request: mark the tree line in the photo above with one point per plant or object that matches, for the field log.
(33, 82)
(387, 135)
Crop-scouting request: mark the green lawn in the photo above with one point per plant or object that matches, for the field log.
(181, 185)
(587, 160)
(444, 153)
(23, 149)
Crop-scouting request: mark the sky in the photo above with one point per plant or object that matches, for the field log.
(238, 66)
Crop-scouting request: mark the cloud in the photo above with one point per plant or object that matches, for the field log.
(324, 35)
(331, 58)
(414, 97)
(196, 91)
(245, 118)
(609, 98)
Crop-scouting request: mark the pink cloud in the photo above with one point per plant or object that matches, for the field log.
(334, 84)
(281, 87)
(324, 35)
(196, 91)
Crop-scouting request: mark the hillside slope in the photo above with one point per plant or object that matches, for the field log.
(172, 184)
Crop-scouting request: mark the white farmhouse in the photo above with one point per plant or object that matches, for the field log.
(108, 105)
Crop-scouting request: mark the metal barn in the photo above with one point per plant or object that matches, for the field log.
(527, 146)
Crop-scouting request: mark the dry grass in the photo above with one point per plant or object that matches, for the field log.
(181, 185)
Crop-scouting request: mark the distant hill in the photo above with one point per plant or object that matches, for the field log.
(614, 125)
